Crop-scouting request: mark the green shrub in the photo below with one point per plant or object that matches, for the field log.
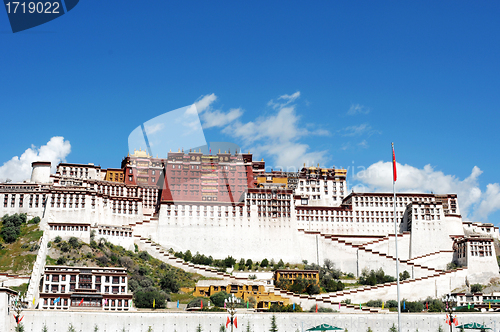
(373, 278)
(169, 283)
(145, 299)
(218, 298)
(64, 246)
(144, 256)
(73, 242)
(476, 288)
(57, 239)
(374, 303)
(321, 309)
(35, 220)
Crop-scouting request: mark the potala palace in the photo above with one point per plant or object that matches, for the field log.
(228, 204)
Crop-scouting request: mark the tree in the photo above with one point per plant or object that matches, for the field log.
(264, 263)
(222, 328)
(144, 255)
(11, 227)
(393, 328)
(96, 329)
(144, 299)
(57, 239)
(19, 327)
(188, 256)
(150, 329)
(229, 261)
(274, 327)
(71, 328)
(73, 241)
(476, 288)
(218, 298)
(169, 283)
(241, 264)
(196, 303)
(9, 234)
(249, 264)
(44, 328)
(405, 275)
(440, 329)
(198, 328)
(64, 246)
(61, 260)
(369, 329)
(248, 328)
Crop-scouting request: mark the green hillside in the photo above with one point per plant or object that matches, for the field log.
(149, 278)
(18, 244)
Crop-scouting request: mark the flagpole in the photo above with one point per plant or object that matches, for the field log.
(396, 233)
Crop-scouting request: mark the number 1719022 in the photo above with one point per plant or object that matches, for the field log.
(32, 7)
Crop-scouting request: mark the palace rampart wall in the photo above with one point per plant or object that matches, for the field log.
(34, 320)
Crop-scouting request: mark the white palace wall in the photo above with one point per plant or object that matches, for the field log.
(437, 261)
(83, 321)
(432, 236)
(243, 237)
(388, 246)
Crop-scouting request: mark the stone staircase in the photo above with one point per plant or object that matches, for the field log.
(306, 301)
(404, 263)
(388, 291)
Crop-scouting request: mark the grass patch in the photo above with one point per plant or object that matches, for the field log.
(50, 261)
(182, 298)
(22, 289)
(16, 259)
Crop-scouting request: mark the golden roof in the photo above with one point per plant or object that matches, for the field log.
(141, 154)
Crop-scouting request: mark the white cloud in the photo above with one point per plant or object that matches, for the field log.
(218, 118)
(214, 118)
(358, 109)
(288, 99)
(203, 103)
(154, 128)
(490, 202)
(277, 136)
(356, 130)
(19, 168)
(472, 202)
(363, 144)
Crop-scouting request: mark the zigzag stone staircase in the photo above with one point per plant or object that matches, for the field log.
(305, 301)
(404, 263)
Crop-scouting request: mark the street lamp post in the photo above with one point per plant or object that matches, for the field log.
(450, 302)
(231, 303)
(17, 305)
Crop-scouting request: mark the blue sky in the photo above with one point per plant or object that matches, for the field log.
(353, 77)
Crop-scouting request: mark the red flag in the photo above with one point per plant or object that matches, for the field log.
(236, 322)
(455, 320)
(316, 307)
(395, 174)
(427, 305)
(21, 319)
(201, 307)
(80, 302)
(227, 322)
(447, 320)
